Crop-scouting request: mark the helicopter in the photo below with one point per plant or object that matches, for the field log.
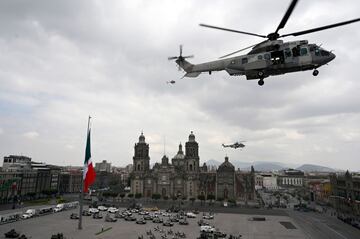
(268, 58)
(235, 145)
(171, 82)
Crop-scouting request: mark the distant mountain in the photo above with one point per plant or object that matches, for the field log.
(213, 162)
(314, 168)
(265, 167)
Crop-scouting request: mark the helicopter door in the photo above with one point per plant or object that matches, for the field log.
(277, 57)
(305, 57)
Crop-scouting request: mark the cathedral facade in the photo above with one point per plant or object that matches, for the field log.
(185, 178)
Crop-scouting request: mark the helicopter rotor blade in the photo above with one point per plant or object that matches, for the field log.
(320, 28)
(181, 47)
(231, 30)
(191, 56)
(172, 58)
(241, 50)
(287, 15)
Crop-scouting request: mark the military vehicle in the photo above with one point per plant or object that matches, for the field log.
(269, 57)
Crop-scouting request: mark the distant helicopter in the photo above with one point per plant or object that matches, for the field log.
(171, 82)
(235, 145)
(269, 57)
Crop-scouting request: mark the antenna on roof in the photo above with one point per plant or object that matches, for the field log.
(164, 145)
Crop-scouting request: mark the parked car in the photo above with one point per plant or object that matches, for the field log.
(168, 223)
(108, 218)
(30, 213)
(157, 220)
(196, 211)
(59, 207)
(12, 234)
(86, 213)
(130, 218)
(183, 222)
(219, 234)
(148, 217)
(174, 219)
(102, 208)
(208, 217)
(190, 215)
(207, 228)
(93, 210)
(97, 216)
(74, 216)
(113, 210)
(141, 221)
(201, 222)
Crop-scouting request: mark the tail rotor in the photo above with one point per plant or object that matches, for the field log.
(180, 57)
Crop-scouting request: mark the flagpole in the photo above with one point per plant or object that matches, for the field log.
(82, 185)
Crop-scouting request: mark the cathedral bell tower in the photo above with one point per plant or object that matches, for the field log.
(141, 159)
(192, 154)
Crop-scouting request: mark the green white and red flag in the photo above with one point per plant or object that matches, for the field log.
(88, 172)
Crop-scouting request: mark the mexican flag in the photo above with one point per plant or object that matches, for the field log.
(89, 172)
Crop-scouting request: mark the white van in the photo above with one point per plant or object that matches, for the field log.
(29, 213)
(59, 207)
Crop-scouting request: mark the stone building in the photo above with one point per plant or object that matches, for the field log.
(185, 178)
(103, 167)
(345, 196)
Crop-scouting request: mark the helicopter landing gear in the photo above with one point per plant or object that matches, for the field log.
(261, 82)
(315, 72)
(261, 76)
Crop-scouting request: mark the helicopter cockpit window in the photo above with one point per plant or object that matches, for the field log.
(324, 53)
(303, 51)
(287, 52)
(317, 52)
(267, 56)
(260, 57)
(244, 60)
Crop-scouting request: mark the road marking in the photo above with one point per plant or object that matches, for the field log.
(338, 233)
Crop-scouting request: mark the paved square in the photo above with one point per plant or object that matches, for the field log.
(43, 227)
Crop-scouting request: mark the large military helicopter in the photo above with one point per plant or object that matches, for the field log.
(269, 57)
(235, 145)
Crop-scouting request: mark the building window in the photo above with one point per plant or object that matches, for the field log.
(190, 167)
(149, 181)
(163, 177)
(260, 57)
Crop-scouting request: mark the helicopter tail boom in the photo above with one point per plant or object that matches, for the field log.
(185, 65)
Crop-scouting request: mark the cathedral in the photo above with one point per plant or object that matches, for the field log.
(185, 178)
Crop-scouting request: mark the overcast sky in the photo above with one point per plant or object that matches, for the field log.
(61, 61)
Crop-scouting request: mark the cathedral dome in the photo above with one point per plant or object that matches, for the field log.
(180, 153)
(191, 137)
(226, 166)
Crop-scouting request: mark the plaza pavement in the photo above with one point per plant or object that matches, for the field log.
(44, 226)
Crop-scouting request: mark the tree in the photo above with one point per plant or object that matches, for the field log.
(130, 195)
(156, 196)
(138, 195)
(201, 197)
(210, 197)
(122, 195)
